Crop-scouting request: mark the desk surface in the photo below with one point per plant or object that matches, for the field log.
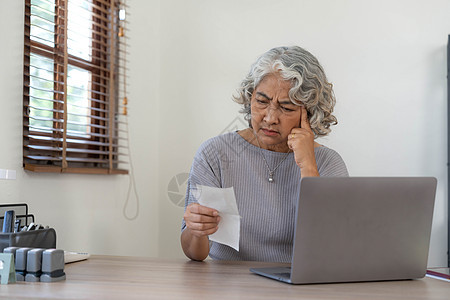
(112, 277)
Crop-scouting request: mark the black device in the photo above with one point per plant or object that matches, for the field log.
(21, 211)
(9, 221)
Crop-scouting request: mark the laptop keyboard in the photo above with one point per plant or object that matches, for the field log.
(283, 275)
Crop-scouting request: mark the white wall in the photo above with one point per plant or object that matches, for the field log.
(386, 59)
(87, 210)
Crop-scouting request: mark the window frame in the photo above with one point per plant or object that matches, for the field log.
(98, 152)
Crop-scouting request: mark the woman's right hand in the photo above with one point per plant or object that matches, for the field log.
(201, 220)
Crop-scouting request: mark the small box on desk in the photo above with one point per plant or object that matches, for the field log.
(41, 238)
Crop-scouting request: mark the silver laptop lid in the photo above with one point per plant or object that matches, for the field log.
(362, 229)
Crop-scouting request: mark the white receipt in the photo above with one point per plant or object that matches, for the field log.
(224, 201)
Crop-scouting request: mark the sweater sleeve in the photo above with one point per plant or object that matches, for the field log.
(330, 163)
(205, 170)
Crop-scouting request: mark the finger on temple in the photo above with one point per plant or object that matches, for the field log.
(304, 122)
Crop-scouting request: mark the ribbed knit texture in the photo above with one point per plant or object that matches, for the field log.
(267, 209)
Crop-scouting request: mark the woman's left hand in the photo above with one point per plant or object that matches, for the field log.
(301, 141)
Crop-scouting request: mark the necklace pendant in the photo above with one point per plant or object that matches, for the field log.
(271, 177)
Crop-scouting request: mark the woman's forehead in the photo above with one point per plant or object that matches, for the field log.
(274, 81)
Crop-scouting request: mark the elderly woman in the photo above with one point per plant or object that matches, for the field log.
(288, 102)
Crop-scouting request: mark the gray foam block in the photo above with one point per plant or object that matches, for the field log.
(34, 264)
(21, 263)
(11, 250)
(53, 265)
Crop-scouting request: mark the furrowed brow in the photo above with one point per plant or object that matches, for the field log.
(285, 102)
(263, 95)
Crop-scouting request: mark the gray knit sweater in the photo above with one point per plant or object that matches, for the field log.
(267, 208)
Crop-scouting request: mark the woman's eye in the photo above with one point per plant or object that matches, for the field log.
(286, 109)
(261, 101)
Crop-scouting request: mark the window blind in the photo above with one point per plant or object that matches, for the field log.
(74, 100)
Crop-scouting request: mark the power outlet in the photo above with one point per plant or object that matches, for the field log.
(7, 174)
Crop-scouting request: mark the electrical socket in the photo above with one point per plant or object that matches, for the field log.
(7, 174)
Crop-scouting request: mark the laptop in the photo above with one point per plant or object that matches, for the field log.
(350, 229)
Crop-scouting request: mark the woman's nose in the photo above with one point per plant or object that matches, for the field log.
(271, 114)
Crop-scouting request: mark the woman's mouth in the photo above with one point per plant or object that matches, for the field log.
(269, 132)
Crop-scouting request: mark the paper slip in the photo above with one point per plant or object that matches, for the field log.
(224, 201)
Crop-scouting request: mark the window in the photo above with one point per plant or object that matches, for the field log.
(74, 86)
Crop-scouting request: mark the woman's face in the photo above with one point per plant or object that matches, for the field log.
(273, 115)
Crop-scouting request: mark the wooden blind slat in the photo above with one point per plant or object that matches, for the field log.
(71, 134)
(68, 113)
(69, 122)
(98, 110)
(98, 76)
(48, 52)
(68, 159)
(56, 169)
(60, 101)
(69, 150)
(102, 10)
(41, 128)
(41, 98)
(70, 140)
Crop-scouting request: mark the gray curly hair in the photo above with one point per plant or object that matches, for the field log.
(309, 85)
